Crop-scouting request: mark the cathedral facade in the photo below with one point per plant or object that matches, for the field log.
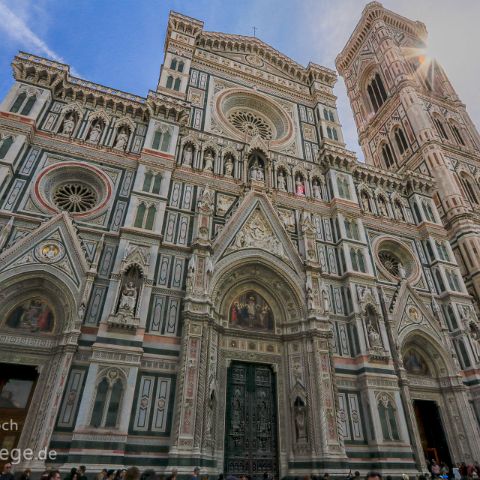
(206, 276)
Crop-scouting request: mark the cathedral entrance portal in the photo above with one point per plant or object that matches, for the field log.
(17, 384)
(431, 431)
(251, 421)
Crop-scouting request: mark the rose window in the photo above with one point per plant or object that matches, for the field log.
(250, 123)
(75, 197)
(390, 262)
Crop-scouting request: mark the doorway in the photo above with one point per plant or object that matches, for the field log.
(432, 434)
(17, 384)
(251, 421)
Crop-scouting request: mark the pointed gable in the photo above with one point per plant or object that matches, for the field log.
(256, 225)
(54, 246)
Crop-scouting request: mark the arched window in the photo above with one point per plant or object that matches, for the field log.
(334, 133)
(401, 140)
(173, 64)
(150, 218)
(329, 133)
(361, 261)
(376, 92)
(176, 85)
(169, 82)
(5, 145)
(472, 196)
(147, 181)
(181, 66)
(343, 187)
(325, 114)
(453, 282)
(417, 212)
(358, 260)
(442, 251)
(18, 102)
(29, 105)
(429, 250)
(330, 115)
(456, 134)
(106, 407)
(161, 140)
(386, 411)
(140, 215)
(440, 284)
(440, 128)
(156, 184)
(452, 319)
(427, 210)
(387, 155)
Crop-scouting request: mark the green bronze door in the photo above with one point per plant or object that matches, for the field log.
(251, 421)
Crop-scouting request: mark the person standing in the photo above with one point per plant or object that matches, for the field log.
(196, 474)
(7, 473)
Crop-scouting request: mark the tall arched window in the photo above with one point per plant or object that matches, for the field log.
(181, 66)
(140, 215)
(387, 155)
(147, 181)
(440, 128)
(334, 133)
(330, 116)
(173, 64)
(401, 140)
(5, 145)
(452, 319)
(169, 82)
(161, 140)
(18, 102)
(472, 196)
(106, 407)
(325, 114)
(427, 210)
(29, 105)
(150, 218)
(156, 184)
(386, 411)
(456, 134)
(176, 85)
(329, 133)
(376, 92)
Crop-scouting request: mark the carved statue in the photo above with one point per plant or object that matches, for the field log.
(95, 133)
(382, 207)
(187, 155)
(208, 162)
(206, 201)
(128, 298)
(365, 203)
(310, 299)
(122, 140)
(228, 167)
(299, 187)
(325, 300)
(373, 337)
(68, 126)
(401, 271)
(300, 413)
(398, 210)
(282, 182)
(316, 190)
(256, 172)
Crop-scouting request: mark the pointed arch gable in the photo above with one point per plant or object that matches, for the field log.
(256, 201)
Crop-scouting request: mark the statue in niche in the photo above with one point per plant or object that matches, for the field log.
(398, 210)
(282, 181)
(187, 155)
(95, 133)
(374, 338)
(206, 201)
(316, 189)
(190, 273)
(325, 300)
(299, 187)
(208, 162)
(365, 203)
(128, 297)
(68, 125)
(122, 140)
(382, 207)
(228, 167)
(256, 172)
(300, 414)
(129, 292)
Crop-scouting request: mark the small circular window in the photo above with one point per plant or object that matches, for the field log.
(75, 197)
(77, 188)
(395, 259)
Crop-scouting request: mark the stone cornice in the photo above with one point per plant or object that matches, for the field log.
(372, 12)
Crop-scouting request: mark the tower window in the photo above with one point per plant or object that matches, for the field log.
(456, 134)
(401, 140)
(469, 189)
(169, 82)
(387, 154)
(176, 85)
(440, 128)
(5, 145)
(18, 102)
(376, 92)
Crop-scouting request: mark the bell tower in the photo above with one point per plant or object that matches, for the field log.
(409, 118)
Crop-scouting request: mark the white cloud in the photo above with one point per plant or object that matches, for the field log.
(16, 28)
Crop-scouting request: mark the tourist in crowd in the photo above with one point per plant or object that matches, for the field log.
(373, 476)
(26, 474)
(54, 475)
(7, 473)
(173, 475)
(71, 475)
(435, 469)
(132, 473)
(196, 474)
(82, 472)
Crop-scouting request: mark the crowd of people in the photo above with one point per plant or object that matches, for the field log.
(461, 471)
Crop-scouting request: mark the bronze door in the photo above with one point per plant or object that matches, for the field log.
(251, 421)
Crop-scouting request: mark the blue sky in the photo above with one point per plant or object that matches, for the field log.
(119, 43)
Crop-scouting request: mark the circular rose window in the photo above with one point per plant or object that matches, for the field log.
(395, 260)
(77, 188)
(247, 113)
